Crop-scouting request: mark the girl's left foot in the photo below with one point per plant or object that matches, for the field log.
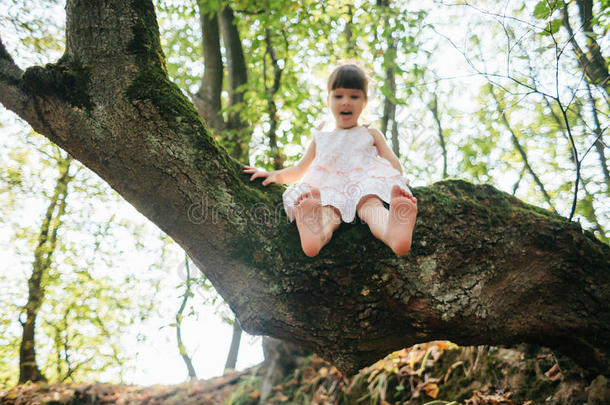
(309, 218)
(403, 211)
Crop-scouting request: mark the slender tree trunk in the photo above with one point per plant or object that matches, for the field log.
(181, 348)
(43, 259)
(238, 133)
(599, 140)
(234, 347)
(207, 99)
(518, 146)
(389, 62)
(350, 47)
(278, 160)
(389, 107)
(433, 106)
(281, 358)
(591, 62)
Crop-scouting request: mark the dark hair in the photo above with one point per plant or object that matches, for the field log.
(349, 76)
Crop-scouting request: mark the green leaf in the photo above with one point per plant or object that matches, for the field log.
(542, 10)
(555, 25)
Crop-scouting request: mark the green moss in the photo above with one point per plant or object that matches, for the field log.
(67, 79)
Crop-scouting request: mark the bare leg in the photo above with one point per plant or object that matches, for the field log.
(371, 210)
(393, 227)
(315, 223)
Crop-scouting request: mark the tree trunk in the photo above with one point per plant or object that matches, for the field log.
(181, 348)
(278, 160)
(234, 347)
(433, 107)
(591, 61)
(207, 99)
(43, 259)
(238, 77)
(484, 268)
(281, 358)
(389, 62)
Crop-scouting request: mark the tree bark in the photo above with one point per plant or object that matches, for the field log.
(485, 268)
(43, 259)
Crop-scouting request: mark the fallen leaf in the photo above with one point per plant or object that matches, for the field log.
(431, 390)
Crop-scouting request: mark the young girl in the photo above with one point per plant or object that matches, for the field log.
(346, 171)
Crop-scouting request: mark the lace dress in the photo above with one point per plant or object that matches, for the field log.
(345, 169)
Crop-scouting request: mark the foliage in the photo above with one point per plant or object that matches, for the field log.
(88, 304)
(433, 373)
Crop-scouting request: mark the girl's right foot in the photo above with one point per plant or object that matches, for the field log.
(310, 221)
(403, 211)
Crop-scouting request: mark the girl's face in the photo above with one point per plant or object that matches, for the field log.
(346, 106)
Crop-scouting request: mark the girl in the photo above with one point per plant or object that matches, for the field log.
(346, 171)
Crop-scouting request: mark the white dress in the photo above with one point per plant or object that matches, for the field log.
(345, 169)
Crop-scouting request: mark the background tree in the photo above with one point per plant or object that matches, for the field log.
(41, 267)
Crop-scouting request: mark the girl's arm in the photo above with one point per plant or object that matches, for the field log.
(384, 151)
(288, 175)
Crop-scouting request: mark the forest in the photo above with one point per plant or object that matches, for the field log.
(128, 228)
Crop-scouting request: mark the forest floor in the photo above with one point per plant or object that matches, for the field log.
(431, 373)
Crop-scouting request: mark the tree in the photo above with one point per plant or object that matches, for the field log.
(188, 362)
(503, 272)
(43, 260)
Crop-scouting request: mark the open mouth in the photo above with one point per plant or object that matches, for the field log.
(345, 113)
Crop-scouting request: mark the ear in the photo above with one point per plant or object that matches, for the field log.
(328, 100)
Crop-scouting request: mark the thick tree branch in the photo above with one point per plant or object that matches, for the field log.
(12, 96)
(484, 268)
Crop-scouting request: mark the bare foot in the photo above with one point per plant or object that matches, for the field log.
(403, 211)
(309, 217)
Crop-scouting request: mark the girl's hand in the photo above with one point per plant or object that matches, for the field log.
(270, 177)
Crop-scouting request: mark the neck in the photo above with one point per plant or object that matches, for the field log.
(354, 126)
